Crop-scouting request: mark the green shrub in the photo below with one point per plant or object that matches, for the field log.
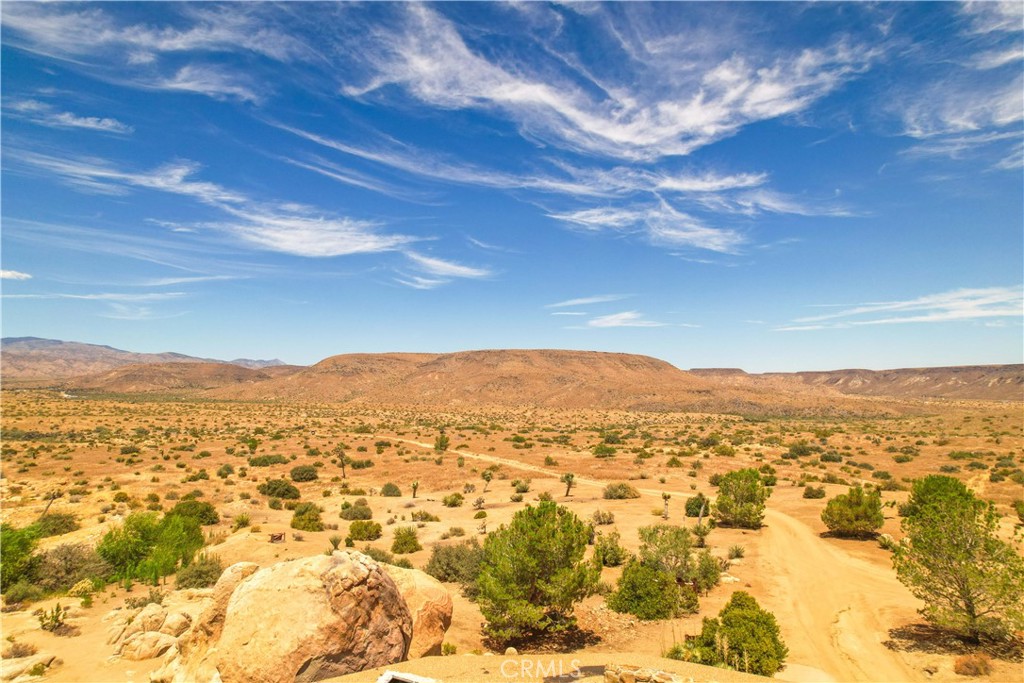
(741, 499)
(457, 564)
(390, 490)
(363, 530)
(267, 460)
(697, 503)
(620, 491)
(668, 548)
(202, 572)
(202, 512)
(304, 473)
(125, 547)
(453, 500)
(814, 492)
(279, 488)
(856, 514)
(423, 516)
(743, 637)
(406, 541)
(608, 551)
(355, 512)
(307, 517)
(55, 524)
(386, 557)
(23, 591)
(647, 592)
(16, 559)
(534, 572)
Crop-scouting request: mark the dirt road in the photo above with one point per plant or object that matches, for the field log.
(834, 609)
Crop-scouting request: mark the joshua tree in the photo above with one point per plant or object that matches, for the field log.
(340, 452)
(415, 485)
(487, 476)
(665, 497)
(569, 479)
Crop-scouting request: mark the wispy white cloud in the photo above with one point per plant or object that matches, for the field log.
(14, 275)
(74, 32)
(569, 313)
(282, 227)
(993, 17)
(589, 300)
(442, 268)
(624, 319)
(954, 107)
(103, 296)
(955, 305)
(997, 58)
(661, 223)
(212, 82)
(428, 57)
(171, 281)
(45, 114)
(131, 312)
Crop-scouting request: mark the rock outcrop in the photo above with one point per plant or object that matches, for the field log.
(302, 620)
(146, 633)
(431, 608)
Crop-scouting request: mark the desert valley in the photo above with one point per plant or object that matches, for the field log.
(438, 452)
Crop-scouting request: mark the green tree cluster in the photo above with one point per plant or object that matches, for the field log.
(856, 514)
(741, 499)
(533, 573)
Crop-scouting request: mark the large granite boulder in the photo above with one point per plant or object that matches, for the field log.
(302, 620)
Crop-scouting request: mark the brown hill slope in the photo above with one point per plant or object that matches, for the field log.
(168, 377)
(970, 382)
(535, 378)
(32, 358)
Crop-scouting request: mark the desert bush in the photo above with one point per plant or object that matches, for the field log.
(64, 566)
(648, 592)
(602, 517)
(669, 548)
(267, 460)
(743, 637)
(620, 491)
(480, 514)
(453, 500)
(306, 517)
(697, 503)
(741, 499)
(363, 530)
(52, 620)
(279, 488)
(304, 473)
(55, 524)
(386, 557)
(423, 516)
(856, 514)
(16, 650)
(23, 591)
(356, 512)
(533, 573)
(390, 490)
(453, 532)
(457, 564)
(124, 547)
(204, 513)
(405, 541)
(814, 492)
(608, 551)
(736, 552)
(202, 572)
(973, 665)
(707, 572)
(242, 520)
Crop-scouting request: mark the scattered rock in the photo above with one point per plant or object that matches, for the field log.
(511, 652)
(13, 668)
(147, 645)
(176, 623)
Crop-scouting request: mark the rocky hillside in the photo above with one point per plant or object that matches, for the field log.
(968, 382)
(167, 377)
(32, 358)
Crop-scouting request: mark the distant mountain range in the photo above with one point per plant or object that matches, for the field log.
(513, 378)
(32, 358)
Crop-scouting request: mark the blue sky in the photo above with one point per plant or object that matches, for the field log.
(772, 186)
